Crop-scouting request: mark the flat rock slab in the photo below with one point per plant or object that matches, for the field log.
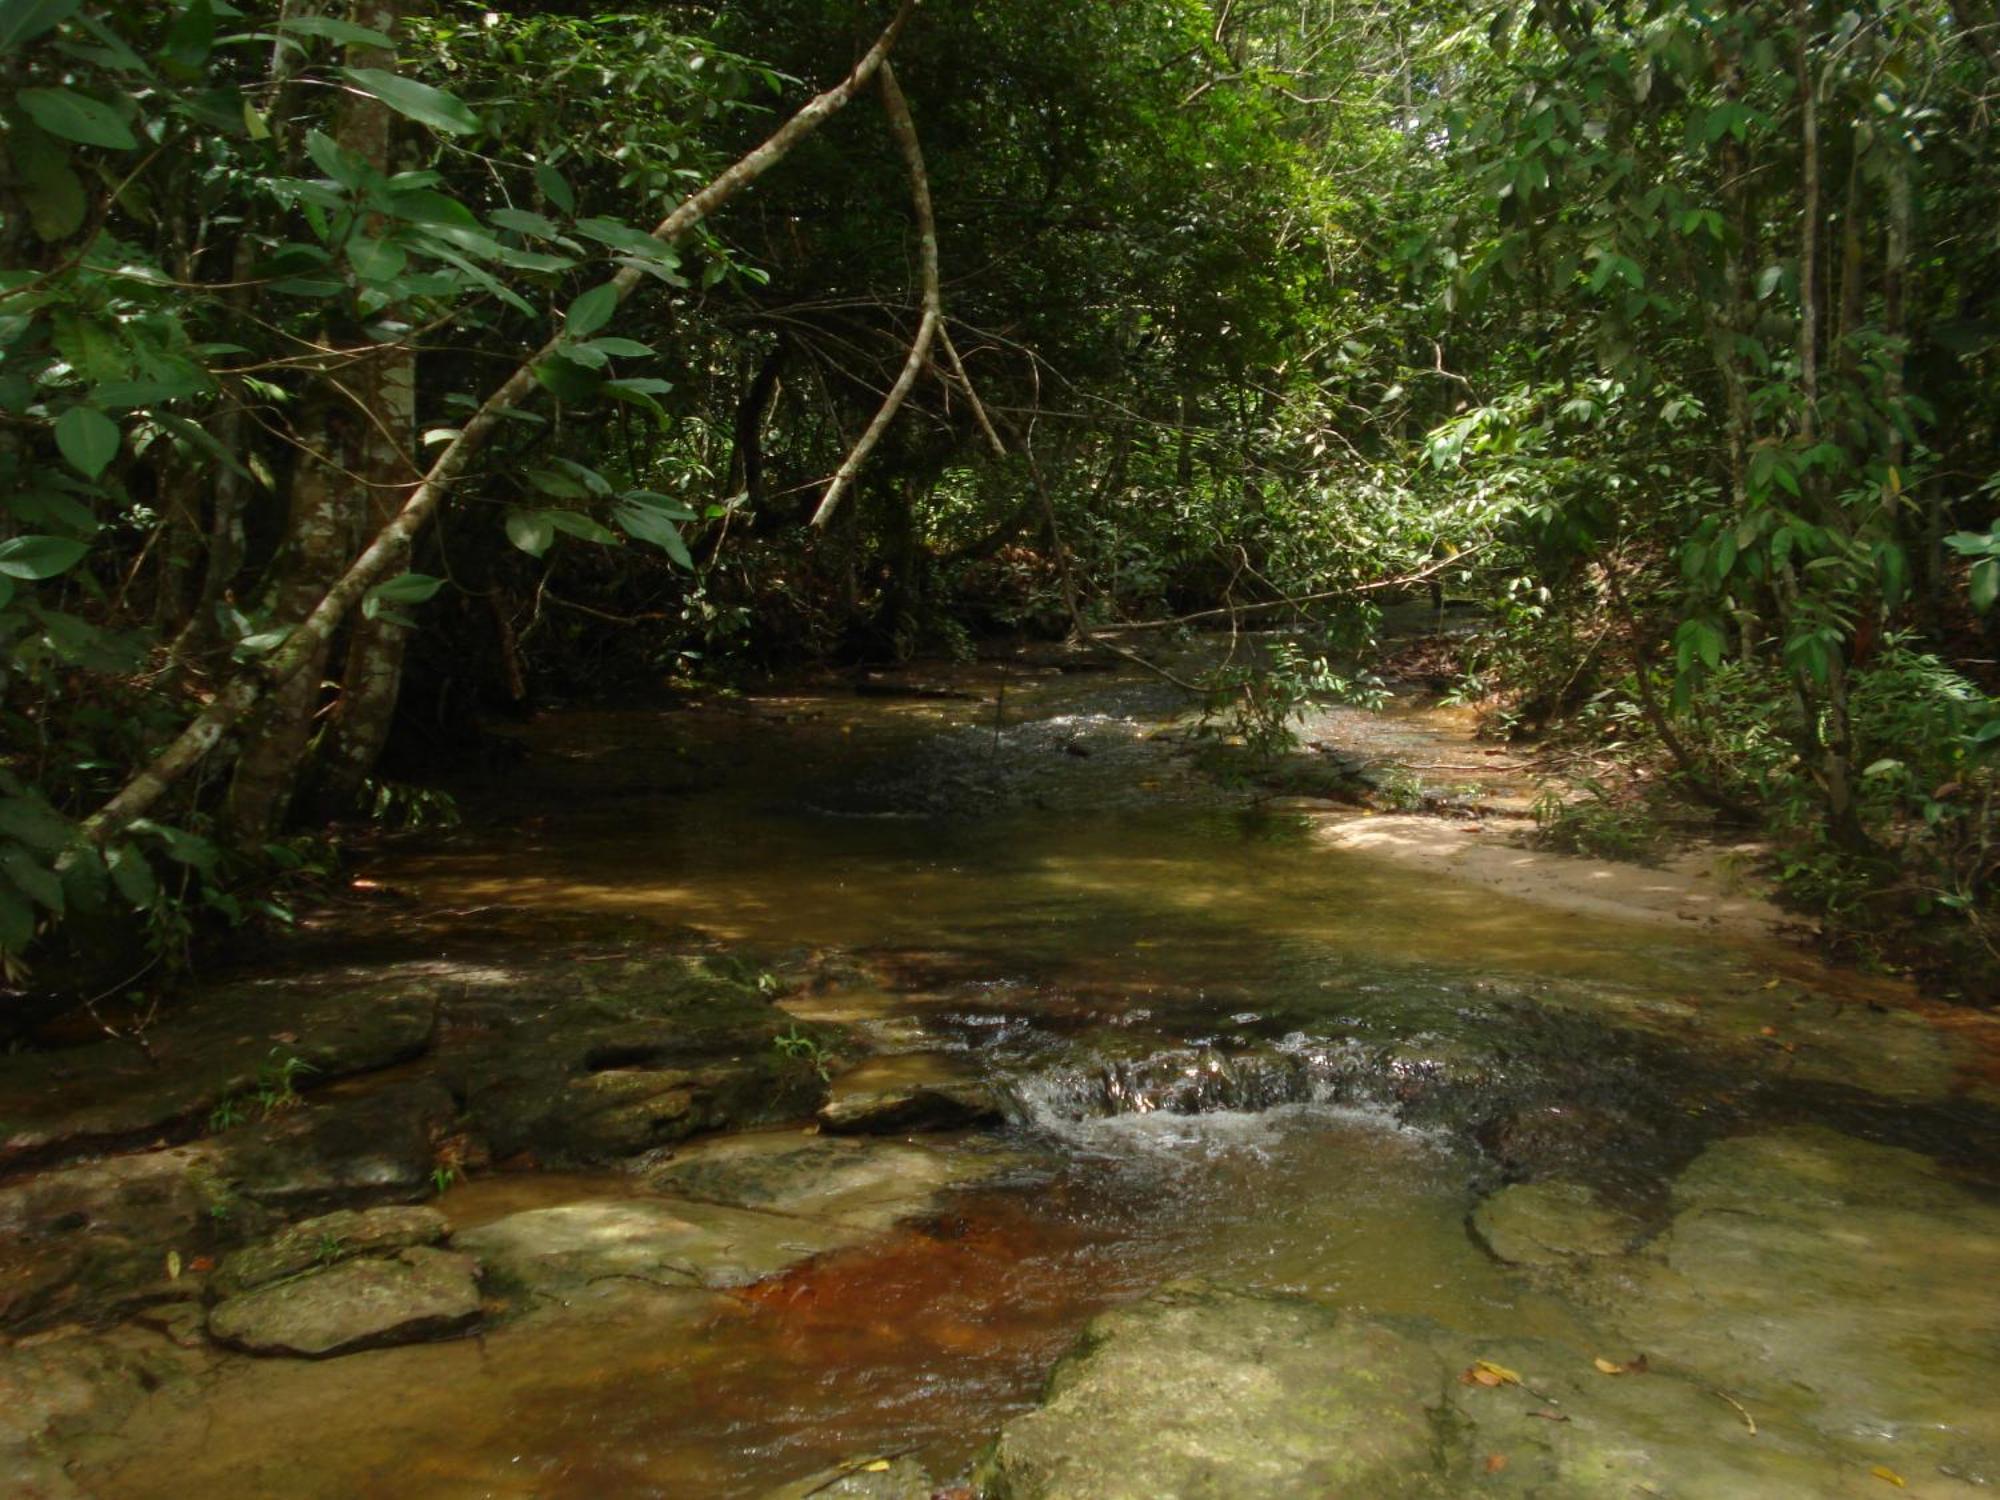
(1847, 1286)
(1203, 1393)
(315, 1244)
(563, 1251)
(422, 1293)
(860, 1184)
(1550, 1224)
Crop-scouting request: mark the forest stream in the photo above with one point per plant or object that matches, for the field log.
(1090, 1024)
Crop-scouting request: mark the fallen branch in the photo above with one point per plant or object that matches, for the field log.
(233, 702)
(1404, 580)
(905, 131)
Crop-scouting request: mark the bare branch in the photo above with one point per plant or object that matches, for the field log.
(905, 130)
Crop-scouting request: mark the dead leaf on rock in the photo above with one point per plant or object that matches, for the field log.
(1495, 1462)
(1634, 1366)
(1485, 1372)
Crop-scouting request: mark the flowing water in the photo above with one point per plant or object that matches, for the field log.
(1224, 1049)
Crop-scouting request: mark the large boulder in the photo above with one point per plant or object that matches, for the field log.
(1203, 1394)
(365, 1303)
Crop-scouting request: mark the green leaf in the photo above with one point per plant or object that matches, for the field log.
(591, 311)
(651, 525)
(24, 20)
(1985, 584)
(326, 28)
(522, 222)
(530, 530)
(580, 526)
(49, 186)
(417, 101)
(88, 439)
(77, 117)
(376, 260)
(407, 588)
(562, 486)
(567, 380)
(31, 878)
(181, 846)
(666, 505)
(190, 39)
(132, 875)
(623, 348)
(31, 821)
(555, 187)
(38, 557)
(17, 921)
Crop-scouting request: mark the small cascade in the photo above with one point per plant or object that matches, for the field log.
(1191, 1080)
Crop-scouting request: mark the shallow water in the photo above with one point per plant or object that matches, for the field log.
(1228, 1050)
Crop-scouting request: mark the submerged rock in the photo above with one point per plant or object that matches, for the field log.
(1202, 1392)
(561, 1252)
(420, 1293)
(867, 1479)
(56, 1391)
(862, 1184)
(1549, 1224)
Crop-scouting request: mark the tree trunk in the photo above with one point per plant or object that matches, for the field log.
(373, 675)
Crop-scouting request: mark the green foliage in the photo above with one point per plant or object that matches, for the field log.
(803, 1047)
(1598, 825)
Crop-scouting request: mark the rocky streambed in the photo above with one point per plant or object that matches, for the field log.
(877, 1095)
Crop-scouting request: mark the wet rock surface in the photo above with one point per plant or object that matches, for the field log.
(315, 1244)
(366, 1303)
(1846, 1284)
(55, 1391)
(620, 1057)
(236, 1042)
(869, 1479)
(576, 1248)
(1202, 1392)
(1550, 1224)
(863, 1184)
(910, 1092)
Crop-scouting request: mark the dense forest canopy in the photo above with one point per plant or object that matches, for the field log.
(371, 369)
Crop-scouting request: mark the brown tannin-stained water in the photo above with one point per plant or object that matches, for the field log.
(1223, 1050)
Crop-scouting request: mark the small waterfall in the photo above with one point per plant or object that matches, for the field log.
(1184, 1081)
